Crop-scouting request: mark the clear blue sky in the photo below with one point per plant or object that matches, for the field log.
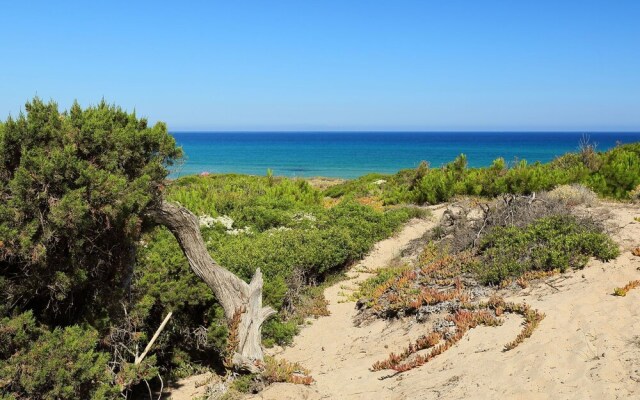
(314, 65)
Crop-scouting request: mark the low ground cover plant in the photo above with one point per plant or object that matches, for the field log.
(622, 291)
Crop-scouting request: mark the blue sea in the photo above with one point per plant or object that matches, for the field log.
(352, 154)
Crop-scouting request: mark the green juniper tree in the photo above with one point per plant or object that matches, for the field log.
(77, 189)
(74, 188)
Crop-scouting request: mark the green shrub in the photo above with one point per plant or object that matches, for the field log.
(557, 242)
(279, 332)
(73, 190)
(243, 383)
(17, 334)
(363, 186)
(619, 173)
(614, 173)
(261, 202)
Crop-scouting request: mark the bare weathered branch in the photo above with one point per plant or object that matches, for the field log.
(153, 339)
(231, 292)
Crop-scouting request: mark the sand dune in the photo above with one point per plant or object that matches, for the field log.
(588, 346)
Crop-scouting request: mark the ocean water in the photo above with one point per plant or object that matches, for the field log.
(352, 154)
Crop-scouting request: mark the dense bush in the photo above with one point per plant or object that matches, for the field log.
(249, 200)
(73, 186)
(58, 364)
(557, 242)
(619, 172)
(365, 185)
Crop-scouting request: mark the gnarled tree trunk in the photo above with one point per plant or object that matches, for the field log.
(232, 293)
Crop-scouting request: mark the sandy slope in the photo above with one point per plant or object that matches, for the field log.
(588, 346)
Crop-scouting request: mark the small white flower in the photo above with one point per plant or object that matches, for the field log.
(208, 221)
(237, 231)
(304, 216)
(272, 231)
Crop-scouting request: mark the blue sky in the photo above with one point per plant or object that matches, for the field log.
(334, 65)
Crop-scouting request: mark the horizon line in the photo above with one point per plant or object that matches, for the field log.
(585, 132)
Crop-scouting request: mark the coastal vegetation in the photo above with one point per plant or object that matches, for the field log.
(614, 173)
(74, 188)
(279, 226)
(86, 269)
(93, 242)
(557, 242)
(476, 250)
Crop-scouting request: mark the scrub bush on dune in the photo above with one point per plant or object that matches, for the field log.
(552, 243)
(613, 174)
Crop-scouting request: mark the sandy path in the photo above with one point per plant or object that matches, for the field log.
(588, 346)
(336, 333)
(337, 352)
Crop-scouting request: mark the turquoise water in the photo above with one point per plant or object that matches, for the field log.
(352, 154)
